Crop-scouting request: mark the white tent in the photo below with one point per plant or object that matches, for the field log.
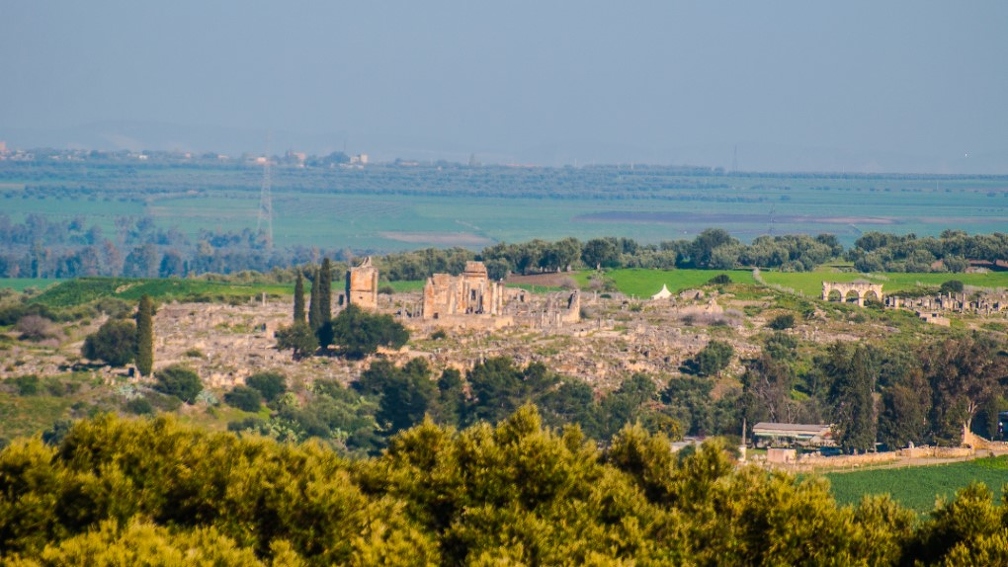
(663, 294)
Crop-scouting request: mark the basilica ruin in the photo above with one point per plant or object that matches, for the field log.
(470, 293)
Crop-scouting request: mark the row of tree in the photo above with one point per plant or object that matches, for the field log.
(40, 247)
(117, 492)
(926, 394)
(355, 332)
(952, 251)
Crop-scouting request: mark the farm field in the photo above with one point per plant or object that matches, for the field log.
(919, 487)
(640, 283)
(809, 284)
(645, 283)
(83, 290)
(21, 284)
(388, 208)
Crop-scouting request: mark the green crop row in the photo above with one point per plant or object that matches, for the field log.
(919, 487)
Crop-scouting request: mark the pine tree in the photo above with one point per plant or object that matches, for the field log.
(299, 307)
(145, 336)
(314, 310)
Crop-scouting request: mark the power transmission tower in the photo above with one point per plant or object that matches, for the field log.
(266, 204)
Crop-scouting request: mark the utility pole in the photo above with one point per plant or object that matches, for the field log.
(266, 202)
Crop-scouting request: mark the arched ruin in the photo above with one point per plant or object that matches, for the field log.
(862, 289)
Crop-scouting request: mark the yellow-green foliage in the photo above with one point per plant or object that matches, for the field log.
(151, 491)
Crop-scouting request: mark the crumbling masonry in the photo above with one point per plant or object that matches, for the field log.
(362, 285)
(470, 293)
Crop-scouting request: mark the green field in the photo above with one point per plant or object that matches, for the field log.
(21, 284)
(645, 283)
(83, 290)
(918, 487)
(639, 283)
(388, 208)
(809, 284)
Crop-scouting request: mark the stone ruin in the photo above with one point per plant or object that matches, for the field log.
(933, 308)
(861, 288)
(549, 311)
(470, 293)
(928, 308)
(362, 285)
(472, 299)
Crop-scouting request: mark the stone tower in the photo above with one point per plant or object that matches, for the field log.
(362, 285)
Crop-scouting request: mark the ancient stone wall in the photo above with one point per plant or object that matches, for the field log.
(362, 285)
(861, 288)
(985, 303)
(470, 293)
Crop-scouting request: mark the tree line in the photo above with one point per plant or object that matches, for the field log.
(39, 247)
(152, 491)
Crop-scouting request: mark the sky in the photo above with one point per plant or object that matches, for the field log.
(896, 86)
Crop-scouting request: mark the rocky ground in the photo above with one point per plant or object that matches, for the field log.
(616, 337)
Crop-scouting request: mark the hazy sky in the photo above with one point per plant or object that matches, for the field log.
(857, 85)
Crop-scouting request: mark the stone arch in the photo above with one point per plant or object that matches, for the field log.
(853, 291)
(834, 295)
(872, 296)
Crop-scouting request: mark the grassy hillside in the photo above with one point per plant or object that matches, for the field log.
(809, 284)
(83, 290)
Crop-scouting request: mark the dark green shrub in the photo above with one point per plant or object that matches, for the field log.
(781, 322)
(269, 384)
(27, 385)
(114, 343)
(299, 338)
(243, 398)
(139, 406)
(720, 279)
(711, 360)
(163, 402)
(359, 333)
(951, 286)
(179, 381)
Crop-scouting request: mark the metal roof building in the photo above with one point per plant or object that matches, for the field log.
(799, 433)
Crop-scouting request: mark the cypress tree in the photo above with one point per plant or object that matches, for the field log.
(325, 292)
(145, 336)
(314, 312)
(299, 310)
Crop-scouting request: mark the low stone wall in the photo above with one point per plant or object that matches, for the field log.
(936, 453)
(817, 460)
